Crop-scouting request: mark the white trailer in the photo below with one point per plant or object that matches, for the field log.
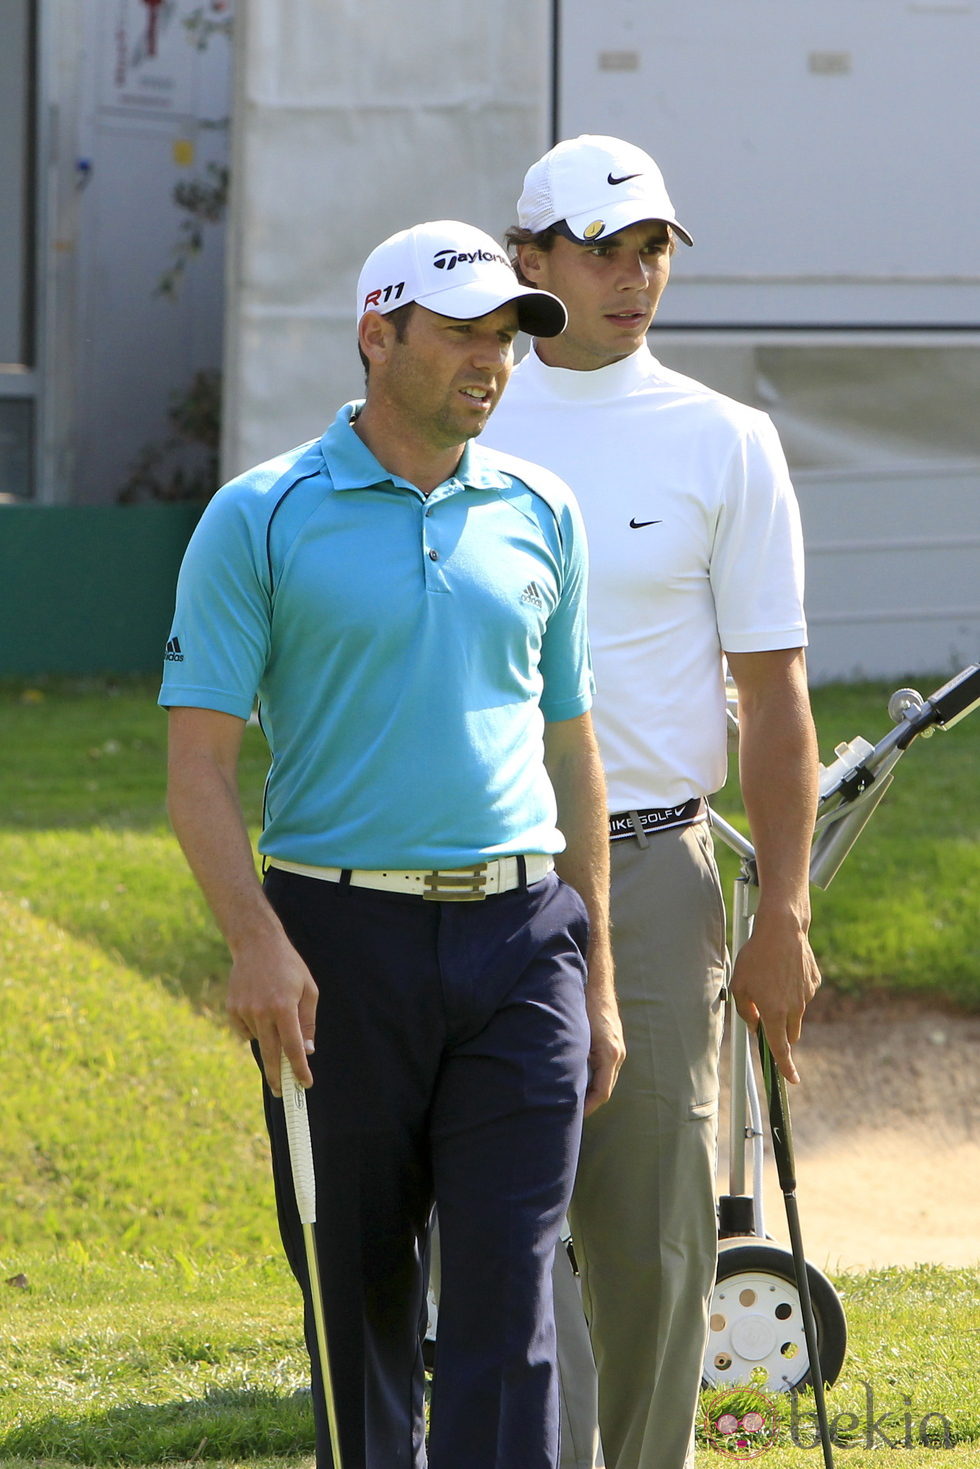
(824, 157)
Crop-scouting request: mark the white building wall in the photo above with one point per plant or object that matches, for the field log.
(883, 440)
(819, 198)
(822, 155)
(353, 121)
(824, 158)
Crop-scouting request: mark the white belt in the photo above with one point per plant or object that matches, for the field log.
(446, 885)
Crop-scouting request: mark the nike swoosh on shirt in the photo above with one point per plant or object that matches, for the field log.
(639, 524)
(624, 180)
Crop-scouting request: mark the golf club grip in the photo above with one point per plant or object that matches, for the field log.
(300, 1146)
(779, 1120)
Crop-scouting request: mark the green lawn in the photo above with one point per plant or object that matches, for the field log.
(145, 1313)
(112, 1359)
(902, 914)
(84, 841)
(116, 1359)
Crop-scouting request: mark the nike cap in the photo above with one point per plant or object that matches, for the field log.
(456, 270)
(595, 186)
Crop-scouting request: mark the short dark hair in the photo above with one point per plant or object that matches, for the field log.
(399, 319)
(542, 240)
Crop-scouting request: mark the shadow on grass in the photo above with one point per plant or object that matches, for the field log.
(221, 1425)
(82, 786)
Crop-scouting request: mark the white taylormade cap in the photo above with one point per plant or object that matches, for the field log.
(596, 186)
(456, 270)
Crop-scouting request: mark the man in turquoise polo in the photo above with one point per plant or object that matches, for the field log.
(429, 945)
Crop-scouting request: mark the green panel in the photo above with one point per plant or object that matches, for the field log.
(88, 589)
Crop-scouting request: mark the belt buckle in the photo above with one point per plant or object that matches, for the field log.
(462, 885)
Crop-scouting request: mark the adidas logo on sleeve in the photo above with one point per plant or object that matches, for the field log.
(173, 653)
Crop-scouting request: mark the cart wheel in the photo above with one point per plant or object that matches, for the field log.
(756, 1320)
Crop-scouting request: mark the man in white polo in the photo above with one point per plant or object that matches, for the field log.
(696, 556)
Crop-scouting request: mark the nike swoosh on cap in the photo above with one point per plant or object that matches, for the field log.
(624, 180)
(639, 524)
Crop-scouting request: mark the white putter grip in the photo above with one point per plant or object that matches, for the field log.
(300, 1147)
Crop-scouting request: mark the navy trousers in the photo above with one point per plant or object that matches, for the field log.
(450, 1069)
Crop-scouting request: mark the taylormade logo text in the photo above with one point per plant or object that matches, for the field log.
(449, 259)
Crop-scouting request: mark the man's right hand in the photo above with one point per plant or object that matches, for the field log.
(272, 999)
(271, 994)
(607, 1051)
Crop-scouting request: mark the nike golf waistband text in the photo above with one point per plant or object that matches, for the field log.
(633, 823)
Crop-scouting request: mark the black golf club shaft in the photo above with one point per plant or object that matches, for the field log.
(782, 1148)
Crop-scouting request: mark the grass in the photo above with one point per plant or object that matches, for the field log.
(84, 837)
(84, 841)
(115, 1095)
(146, 1316)
(111, 1359)
(115, 1360)
(916, 866)
(901, 915)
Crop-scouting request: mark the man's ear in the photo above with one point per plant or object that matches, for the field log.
(375, 334)
(529, 263)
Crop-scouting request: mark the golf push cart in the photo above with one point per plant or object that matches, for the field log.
(771, 1309)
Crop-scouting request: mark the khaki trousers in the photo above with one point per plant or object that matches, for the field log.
(643, 1210)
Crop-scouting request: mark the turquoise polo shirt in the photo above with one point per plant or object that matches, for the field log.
(405, 650)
